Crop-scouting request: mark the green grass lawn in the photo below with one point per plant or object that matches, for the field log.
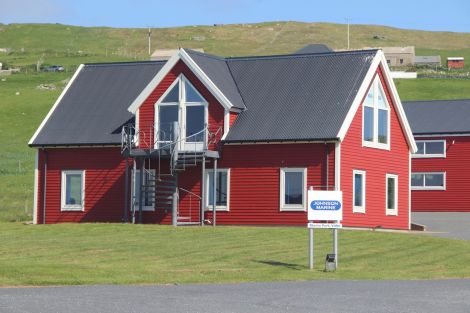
(150, 254)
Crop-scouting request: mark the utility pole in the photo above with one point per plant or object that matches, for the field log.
(347, 21)
(150, 35)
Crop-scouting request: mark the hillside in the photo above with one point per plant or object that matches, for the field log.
(70, 45)
(23, 105)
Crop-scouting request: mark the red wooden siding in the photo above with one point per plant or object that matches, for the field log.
(255, 180)
(377, 163)
(456, 165)
(147, 109)
(104, 184)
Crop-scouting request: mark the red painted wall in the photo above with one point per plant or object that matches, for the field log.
(455, 63)
(456, 164)
(147, 109)
(377, 163)
(104, 184)
(255, 180)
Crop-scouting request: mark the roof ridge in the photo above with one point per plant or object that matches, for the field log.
(124, 63)
(436, 100)
(208, 55)
(302, 55)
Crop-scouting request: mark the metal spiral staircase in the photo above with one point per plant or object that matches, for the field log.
(160, 189)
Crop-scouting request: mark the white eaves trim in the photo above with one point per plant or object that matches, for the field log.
(378, 60)
(180, 55)
(56, 104)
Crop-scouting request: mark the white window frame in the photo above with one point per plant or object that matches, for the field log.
(182, 104)
(209, 207)
(376, 84)
(145, 208)
(393, 211)
(424, 181)
(71, 207)
(431, 155)
(362, 208)
(293, 207)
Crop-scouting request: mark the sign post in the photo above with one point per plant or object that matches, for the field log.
(324, 206)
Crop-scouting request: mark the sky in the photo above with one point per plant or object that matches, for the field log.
(450, 15)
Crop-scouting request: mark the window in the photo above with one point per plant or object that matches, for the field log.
(149, 191)
(428, 181)
(392, 194)
(359, 191)
(401, 61)
(73, 190)
(376, 117)
(293, 189)
(222, 190)
(183, 104)
(430, 149)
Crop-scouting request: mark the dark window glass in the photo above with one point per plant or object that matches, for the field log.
(435, 147)
(191, 94)
(168, 114)
(358, 187)
(73, 189)
(420, 146)
(383, 126)
(391, 205)
(368, 124)
(417, 180)
(293, 189)
(173, 95)
(220, 190)
(434, 180)
(195, 120)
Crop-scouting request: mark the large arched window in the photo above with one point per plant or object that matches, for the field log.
(376, 118)
(181, 103)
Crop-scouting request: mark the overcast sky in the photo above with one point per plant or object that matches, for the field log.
(450, 15)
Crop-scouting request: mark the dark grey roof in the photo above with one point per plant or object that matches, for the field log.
(296, 97)
(217, 70)
(438, 116)
(94, 108)
(314, 48)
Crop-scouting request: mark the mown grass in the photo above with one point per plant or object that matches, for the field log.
(150, 254)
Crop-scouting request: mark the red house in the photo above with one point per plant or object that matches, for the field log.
(440, 167)
(253, 133)
(455, 62)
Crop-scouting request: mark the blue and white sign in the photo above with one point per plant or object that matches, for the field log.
(325, 205)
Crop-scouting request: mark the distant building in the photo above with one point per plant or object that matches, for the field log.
(314, 48)
(399, 56)
(428, 61)
(165, 54)
(455, 62)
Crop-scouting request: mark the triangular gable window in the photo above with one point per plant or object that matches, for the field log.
(191, 93)
(173, 95)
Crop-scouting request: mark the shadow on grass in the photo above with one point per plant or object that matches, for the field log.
(291, 266)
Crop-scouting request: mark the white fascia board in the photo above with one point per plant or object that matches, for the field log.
(398, 105)
(154, 83)
(180, 55)
(378, 60)
(56, 104)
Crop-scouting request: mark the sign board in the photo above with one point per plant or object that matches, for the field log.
(325, 205)
(324, 225)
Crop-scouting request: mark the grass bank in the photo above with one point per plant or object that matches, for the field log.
(70, 254)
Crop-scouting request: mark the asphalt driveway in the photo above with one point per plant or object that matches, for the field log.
(448, 225)
(313, 296)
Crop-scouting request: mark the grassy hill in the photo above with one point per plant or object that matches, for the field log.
(23, 105)
(70, 45)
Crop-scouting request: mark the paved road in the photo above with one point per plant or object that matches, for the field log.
(449, 225)
(314, 296)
